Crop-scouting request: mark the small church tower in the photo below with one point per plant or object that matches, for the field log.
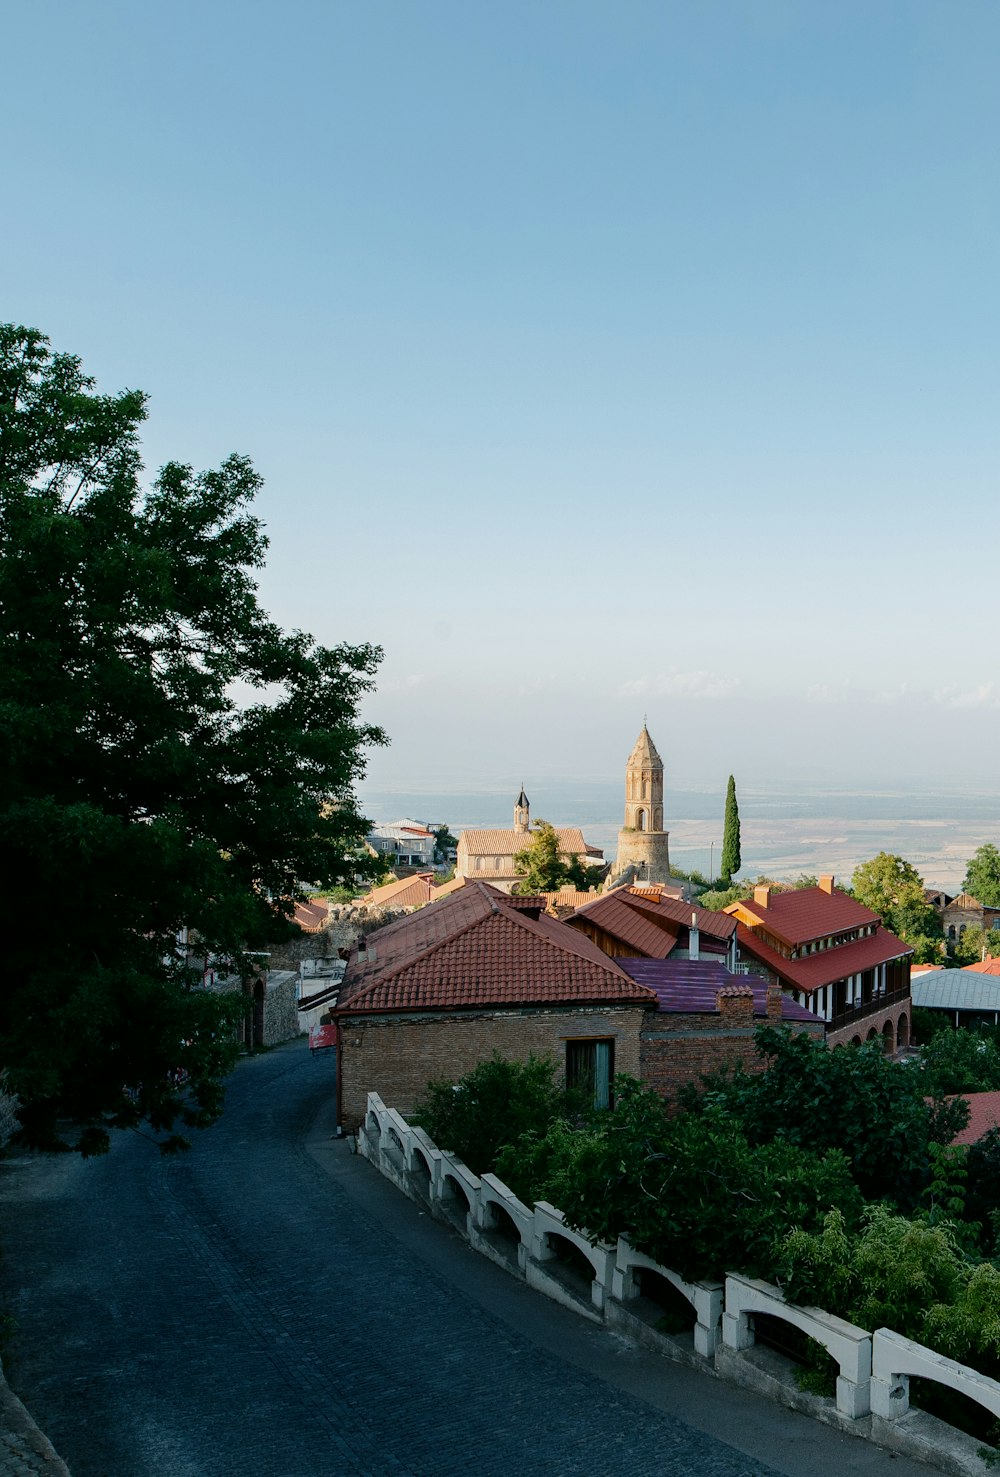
(521, 810)
(642, 841)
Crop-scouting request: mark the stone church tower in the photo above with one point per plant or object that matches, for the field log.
(642, 841)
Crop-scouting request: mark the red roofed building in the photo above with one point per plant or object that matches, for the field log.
(989, 965)
(439, 991)
(833, 956)
(638, 923)
(404, 892)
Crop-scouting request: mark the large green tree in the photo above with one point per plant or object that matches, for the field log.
(892, 887)
(982, 877)
(171, 759)
(731, 858)
(542, 867)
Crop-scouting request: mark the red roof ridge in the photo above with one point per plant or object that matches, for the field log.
(411, 959)
(549, 930)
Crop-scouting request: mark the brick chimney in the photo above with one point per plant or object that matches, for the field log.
(762, 896)
(774, 998)
(735, 1004)
(826, 883)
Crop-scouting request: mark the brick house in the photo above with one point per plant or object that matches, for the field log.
(965, 911)
(832, 956)
(705, 1018)
(439, 991)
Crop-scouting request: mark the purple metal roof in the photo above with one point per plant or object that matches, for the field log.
(689, 986)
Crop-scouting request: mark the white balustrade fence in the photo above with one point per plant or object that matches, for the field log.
(602, 1281)
(851, 1347)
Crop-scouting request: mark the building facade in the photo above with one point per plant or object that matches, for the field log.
(489, 855)
(832, 956)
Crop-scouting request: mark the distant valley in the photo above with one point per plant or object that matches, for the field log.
(784, 832)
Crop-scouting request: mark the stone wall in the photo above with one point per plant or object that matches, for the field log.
(397, 1055)
(648, 851)
(281, 1016)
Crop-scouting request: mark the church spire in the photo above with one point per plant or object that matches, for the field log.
(522, 812)
(644, 786)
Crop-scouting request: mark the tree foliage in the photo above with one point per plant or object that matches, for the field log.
(853, 1099)
(982, 876)
(974, 944)
(690, 1191)
(892, 887)
(955, 1061)
(731, 858)
(543, 867)
(139, 797)
(492, 1106)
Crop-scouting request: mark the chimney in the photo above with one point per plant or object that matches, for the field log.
(694, 938)
(826, 883)
(773, 1001)
(762, 896)
(735, 1005)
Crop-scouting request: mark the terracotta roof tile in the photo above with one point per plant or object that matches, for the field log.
(509, 843)
(828, 965)
(989, 965)
(312, 917)
(475, 950)
(806, 913)
(984, 1114)
(407, 892)
(625, 908)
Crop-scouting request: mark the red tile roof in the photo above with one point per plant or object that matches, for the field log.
(989, 965)
(312, 917)
(666, 914)
(806, 913)
(475, 950)
(828, 965)
(509, 843)
(613, 914)
(984, 1114)
(407, 892)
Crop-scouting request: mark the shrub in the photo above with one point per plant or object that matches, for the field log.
(493, 1105)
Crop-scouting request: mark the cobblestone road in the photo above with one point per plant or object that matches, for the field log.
(267, 1305)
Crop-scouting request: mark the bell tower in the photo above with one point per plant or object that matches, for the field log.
(521, 812)
(644, 786)
(643, 844)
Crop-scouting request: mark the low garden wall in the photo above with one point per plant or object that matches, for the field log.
(627, 1290)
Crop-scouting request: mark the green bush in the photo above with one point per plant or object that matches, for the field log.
(493, 1105)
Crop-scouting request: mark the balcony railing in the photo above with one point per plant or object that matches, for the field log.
(867, 1008)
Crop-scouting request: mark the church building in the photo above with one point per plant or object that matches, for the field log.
(488, 856)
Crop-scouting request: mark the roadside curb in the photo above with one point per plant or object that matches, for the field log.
(24, 1449)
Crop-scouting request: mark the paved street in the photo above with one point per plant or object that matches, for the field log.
(268, 1305)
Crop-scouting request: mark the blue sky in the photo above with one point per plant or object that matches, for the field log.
(600, 360)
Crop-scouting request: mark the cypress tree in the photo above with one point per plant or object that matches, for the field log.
(731, 858)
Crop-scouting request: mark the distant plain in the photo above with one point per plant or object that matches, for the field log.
(784, 832)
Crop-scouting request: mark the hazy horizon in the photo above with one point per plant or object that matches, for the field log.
(784, 832)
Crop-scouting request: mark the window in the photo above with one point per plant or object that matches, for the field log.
(590, 1066)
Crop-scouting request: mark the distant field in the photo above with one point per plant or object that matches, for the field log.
(784, 832)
